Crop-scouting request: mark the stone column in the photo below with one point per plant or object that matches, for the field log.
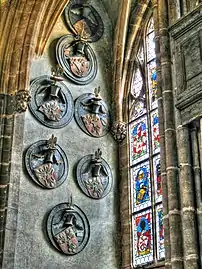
(196, 156)
(188, 216)
(125, 206)
(6, 131)
(170, 139)
(162, 138)
(174, 10)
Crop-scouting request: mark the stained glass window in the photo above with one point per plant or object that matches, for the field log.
(147, 217)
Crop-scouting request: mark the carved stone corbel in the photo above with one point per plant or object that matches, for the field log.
(22, 99)
(119, 131)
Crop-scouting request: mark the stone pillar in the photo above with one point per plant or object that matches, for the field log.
(162, 139)
(6, 132)
(195, 143)
(188, 216)
(9, 105)
(125, 206)
(170, 139)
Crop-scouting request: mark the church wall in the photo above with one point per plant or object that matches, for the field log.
(112, 7)
(26, 243)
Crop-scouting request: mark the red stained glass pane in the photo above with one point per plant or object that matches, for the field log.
(139, 140)
(155, 132)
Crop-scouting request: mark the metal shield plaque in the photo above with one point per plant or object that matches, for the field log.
(94, 175)
(83, 20)
(68, 228)
(92, 114)
(51, 102)
(77, 59)
(46, 163)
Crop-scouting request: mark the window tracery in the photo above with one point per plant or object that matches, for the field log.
(147, 212)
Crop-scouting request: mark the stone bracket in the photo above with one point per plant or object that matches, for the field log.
(11, 104)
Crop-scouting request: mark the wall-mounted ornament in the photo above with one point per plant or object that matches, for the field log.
(92, 114)
(68, 228)
(94, 175)
(83, 20)
(22, 99)
(77, 59)
(119, 131)
(51, 103)
(46, 163)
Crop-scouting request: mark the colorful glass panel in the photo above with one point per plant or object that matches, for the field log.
(144, 153)
(157, 178)
(143, 238)
(139, 140)
(139, 106)
(155, 132)
(152, 76)
(160, 232)
(142, 186)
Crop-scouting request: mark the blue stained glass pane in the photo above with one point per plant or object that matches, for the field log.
(141, 186)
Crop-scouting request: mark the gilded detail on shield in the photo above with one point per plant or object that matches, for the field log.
(46, 163)
(94, 175)
(92, 114)
(68, 228)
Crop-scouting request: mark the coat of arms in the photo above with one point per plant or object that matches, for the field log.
(68, 228)
(51, 101)
(94, 175)
(46, 163)
(92, 114)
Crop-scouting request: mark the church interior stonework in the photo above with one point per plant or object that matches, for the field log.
(100, 134)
